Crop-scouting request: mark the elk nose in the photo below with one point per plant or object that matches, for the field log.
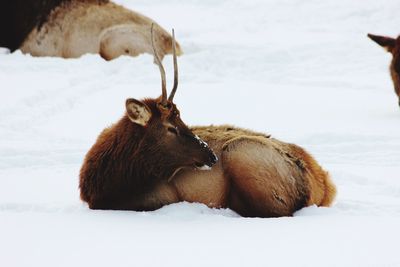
(213, 158)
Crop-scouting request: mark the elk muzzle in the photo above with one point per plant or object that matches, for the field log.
(210, 158)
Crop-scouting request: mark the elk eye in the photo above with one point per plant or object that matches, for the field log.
(173, 130)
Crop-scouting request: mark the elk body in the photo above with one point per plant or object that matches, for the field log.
(150, 158)
(391, 45)
(71, 28)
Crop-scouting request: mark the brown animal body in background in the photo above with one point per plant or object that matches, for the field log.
(391, 45)
(150, 158)
(71, 28)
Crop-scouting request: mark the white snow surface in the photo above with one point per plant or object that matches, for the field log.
(303, 71)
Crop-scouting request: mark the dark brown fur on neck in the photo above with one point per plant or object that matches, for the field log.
(131, 160)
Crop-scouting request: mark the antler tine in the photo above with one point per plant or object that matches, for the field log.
(172, 94)
(162, 71)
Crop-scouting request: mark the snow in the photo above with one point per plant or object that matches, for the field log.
(303, 71)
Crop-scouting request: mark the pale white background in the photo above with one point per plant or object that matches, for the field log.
(303, 71)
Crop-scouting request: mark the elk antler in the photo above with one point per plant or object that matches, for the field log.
(162, 71)
(172, 94)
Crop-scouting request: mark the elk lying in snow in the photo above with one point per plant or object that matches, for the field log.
(393, 46)
(150, 158)
(71, 28)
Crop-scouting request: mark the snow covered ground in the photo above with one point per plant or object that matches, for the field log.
(303, 71)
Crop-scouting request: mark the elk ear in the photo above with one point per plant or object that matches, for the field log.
(387, 43)
(138, 112)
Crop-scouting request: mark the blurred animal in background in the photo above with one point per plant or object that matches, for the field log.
(392, 46)
(71, 28)
(151, 158)
(4, 51)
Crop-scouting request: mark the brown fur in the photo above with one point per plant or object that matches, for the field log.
(77, 27)
(150, 158)
(267, 177)
(256, 175)
(132, 160)
(392, 46)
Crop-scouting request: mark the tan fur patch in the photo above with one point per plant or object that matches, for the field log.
(208, 187)
(80, 27)
(269, 185)
(278, 169)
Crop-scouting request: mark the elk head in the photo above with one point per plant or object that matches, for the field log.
(171, 144)
(391, 45)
